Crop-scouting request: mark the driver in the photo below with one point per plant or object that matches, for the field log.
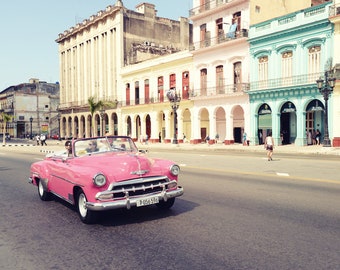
(92, 147)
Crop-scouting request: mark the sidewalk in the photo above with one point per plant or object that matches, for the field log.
(55, 145)
(291, 148)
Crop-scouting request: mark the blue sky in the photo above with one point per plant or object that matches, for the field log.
(29, 30)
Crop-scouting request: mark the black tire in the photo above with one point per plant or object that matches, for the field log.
(43, 194)
(166, 204)
(86, 216)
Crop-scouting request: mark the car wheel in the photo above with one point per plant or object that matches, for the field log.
(44, 195)
(86, 216)
(166, 204)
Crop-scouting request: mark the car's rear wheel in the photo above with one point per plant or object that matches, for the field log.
(43, 194)
(87, 216)
(166, 204)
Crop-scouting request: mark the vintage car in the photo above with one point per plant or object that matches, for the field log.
(104, 173)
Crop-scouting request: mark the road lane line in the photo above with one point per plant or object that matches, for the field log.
(263, 174)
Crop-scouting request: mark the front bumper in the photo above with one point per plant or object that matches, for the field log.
(131, 202)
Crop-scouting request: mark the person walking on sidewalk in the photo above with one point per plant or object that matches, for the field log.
(269, 146)
(43, 139)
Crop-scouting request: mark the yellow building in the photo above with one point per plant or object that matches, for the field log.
(93, 55)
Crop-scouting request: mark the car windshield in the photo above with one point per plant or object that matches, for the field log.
(96, 145)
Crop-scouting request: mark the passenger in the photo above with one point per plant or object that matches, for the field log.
(92, 147)
(68, 147)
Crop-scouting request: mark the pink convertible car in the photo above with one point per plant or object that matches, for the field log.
(104, 173)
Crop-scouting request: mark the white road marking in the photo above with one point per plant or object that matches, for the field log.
(282, 174)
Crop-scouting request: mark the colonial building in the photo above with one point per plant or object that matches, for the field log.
(221, 64)
(92, 57)
(288, 54)
(334, 124)
(33, 108)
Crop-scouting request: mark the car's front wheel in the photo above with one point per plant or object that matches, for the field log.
(87, 216)
(166, 204)
(43, 194)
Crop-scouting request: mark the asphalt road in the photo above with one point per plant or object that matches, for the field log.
(238, 212)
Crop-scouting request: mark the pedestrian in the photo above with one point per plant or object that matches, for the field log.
(217, 138)
(207, 139)
(314, 137)
(159, 137)
(184, 138)
(269, 145)
(318, 137)
(43, 139)
(245, 138)
(37, 138)
(309, 138)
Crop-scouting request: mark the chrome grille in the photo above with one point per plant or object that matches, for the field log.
(138, 187)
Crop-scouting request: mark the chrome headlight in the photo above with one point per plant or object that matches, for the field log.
(99, 180)
(174, 169)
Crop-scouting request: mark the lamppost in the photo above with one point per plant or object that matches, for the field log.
(102, 113)
(31, 120)
(326, 88)
(59, 135)
(174, 99)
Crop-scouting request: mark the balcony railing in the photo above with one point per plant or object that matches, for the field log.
(209, 5)
(221, 38)
(285, 82)
(230, 89)
(334, 10)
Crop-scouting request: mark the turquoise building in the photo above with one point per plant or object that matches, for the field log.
(287, 55)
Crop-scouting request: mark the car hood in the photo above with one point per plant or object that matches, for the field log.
(122, 166)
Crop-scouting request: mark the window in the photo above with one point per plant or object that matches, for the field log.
(185, 85)
(137, 92)
(147, 91)
(238, 76)
(263, 71)
(204, 74)
(314, 57)
(172, 81)
(219, 29)
(127, 94)
(219, 80)
(286, 67)
(160, 87)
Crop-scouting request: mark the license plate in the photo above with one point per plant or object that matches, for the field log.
(148, 201)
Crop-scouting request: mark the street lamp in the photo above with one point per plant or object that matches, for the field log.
(326, 88)
(31, 120)
(102, 113)
(174, 99)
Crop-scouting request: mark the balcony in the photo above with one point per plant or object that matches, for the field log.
(221, 38)
(209, 5)
(294, 20)
(226, 90)
(292, 81)
(334, 10)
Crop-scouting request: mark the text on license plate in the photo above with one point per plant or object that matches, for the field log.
(148, 201)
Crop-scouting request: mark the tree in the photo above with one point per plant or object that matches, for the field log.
(5, 118)
(98, 105)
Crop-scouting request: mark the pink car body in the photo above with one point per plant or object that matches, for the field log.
(113, 174)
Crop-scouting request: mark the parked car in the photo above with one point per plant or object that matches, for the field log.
(104, 173)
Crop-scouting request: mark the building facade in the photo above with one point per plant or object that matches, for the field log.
(33, 107)
(93, 55)
(225, 66)
(288, 54)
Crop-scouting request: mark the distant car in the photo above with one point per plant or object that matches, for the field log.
(55, 137)
(104, 173)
